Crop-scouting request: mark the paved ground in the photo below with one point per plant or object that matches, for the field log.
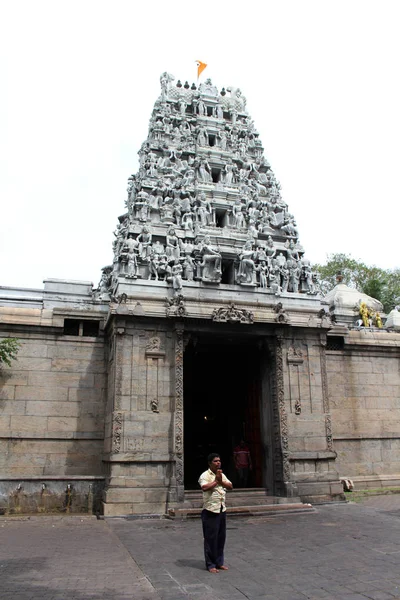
(348, 552)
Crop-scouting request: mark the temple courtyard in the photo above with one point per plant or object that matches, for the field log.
(348, 550)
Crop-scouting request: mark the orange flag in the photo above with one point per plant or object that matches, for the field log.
(200, 67)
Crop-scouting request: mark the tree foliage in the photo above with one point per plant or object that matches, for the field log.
(8, 350)
(382, 284)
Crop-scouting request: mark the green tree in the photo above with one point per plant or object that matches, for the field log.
(382, 284)
(8, 350)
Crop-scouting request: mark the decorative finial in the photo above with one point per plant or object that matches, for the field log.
(193, 86)
(178, 83)
(186, 86)
(223, 92)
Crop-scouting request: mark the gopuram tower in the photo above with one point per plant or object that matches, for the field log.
(215, 329)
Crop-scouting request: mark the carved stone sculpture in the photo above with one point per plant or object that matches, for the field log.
(210, 265)
(232, 314)
(202, 167)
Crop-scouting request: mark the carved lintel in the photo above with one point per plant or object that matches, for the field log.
(232, 314)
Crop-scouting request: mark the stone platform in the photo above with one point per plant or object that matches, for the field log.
(241, 502)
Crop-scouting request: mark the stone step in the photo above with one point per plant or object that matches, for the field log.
(240, 497)
(245, 511)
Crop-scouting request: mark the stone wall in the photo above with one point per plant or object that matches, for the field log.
(364, 395)
(140, 417)
(305, 418)
(52, 407)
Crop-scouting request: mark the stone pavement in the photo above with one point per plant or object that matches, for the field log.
(349, 551)
(67, 558)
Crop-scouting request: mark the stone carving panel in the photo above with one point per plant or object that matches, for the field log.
(179, 348)
(232, 314)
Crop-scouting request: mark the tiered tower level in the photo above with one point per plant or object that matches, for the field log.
(205, 208)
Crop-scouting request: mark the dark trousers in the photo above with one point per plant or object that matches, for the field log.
(214, 532)
(243, 475)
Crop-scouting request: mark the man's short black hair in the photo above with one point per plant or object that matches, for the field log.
(211, 457)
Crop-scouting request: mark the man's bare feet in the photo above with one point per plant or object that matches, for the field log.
(213, 570)
(223, 568)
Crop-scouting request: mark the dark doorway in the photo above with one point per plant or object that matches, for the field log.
(222, 400)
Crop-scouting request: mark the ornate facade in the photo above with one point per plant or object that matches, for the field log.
(207, 327)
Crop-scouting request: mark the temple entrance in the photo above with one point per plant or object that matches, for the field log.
(222, 405)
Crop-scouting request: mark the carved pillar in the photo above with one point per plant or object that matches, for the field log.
(117, 416)
(325, 397)
(283, 422)
(178, 415)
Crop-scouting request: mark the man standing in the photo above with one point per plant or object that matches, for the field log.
(242, 458)
(214, 485)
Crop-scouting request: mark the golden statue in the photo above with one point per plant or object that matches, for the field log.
(364, 313)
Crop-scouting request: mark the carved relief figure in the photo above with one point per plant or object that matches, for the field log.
(211, 261)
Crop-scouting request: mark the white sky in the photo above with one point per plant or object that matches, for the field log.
(79, 80)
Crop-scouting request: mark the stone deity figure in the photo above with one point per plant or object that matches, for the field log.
(201, 109)
(157, 248)
(176, 274)
(281, 260)
(202, 137)
(308, 275)
(129, 256)
(144, 238)
(182, 106)
(218, 111)
(188, 268)
(260, 254)
(246, 269)
(105, 283)
(177, 213)
(203, 210)
(274, 277)
(142, 206)
(262, 270)
(132, 266)
(222, 140)
(153, 266)
(162, 266)
(165, 80)
(204, 172)
(172, 245)
(229, 173)
(211, 261)
(270, 249)
(187, 221)
(238, 215)
(284, 278)
(294, 276)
